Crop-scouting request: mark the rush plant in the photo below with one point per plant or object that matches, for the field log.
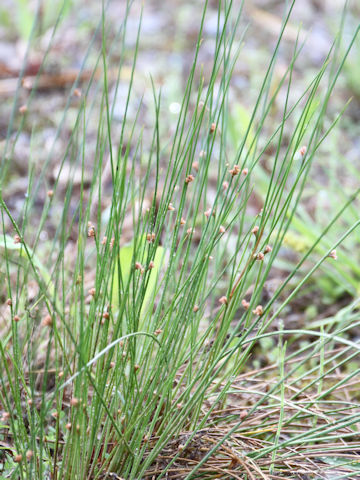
(129, 338)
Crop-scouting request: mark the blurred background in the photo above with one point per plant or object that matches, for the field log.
(52, 43)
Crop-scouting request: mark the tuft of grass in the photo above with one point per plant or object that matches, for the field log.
(129, 337)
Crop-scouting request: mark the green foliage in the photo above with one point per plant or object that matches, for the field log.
(240, 122)
(26, 16)
(119, 366)
(26, 257)
(136, 252)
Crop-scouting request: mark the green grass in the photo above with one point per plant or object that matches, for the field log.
(127, 348)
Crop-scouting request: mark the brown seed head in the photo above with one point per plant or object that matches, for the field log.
(235, 170)
(136, 367)
(50, 193)
(77, 92)
(196, 308)
(222, 229)
(158, 331)
(171, 207)
(245, 304)
(212, 127)
(47, 321)
(18, 458)
(182, 221)
(151, 265)
(333, 255)
(17, 239)
(92, 292)
(104, 240)
(150, 237)
(302, 150)
(74, 402)
(195, 166)
(268, 249)
(223, 300)
(189, 179)
(16, 318)
(68, 426)
(138, 266)
(255, 230)
(225, 185)
(9, 302)
(91, 231)
(23, 109)
(258, 310)
(29, 455)
(260, 256)
(245, 171)
(243, 414)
